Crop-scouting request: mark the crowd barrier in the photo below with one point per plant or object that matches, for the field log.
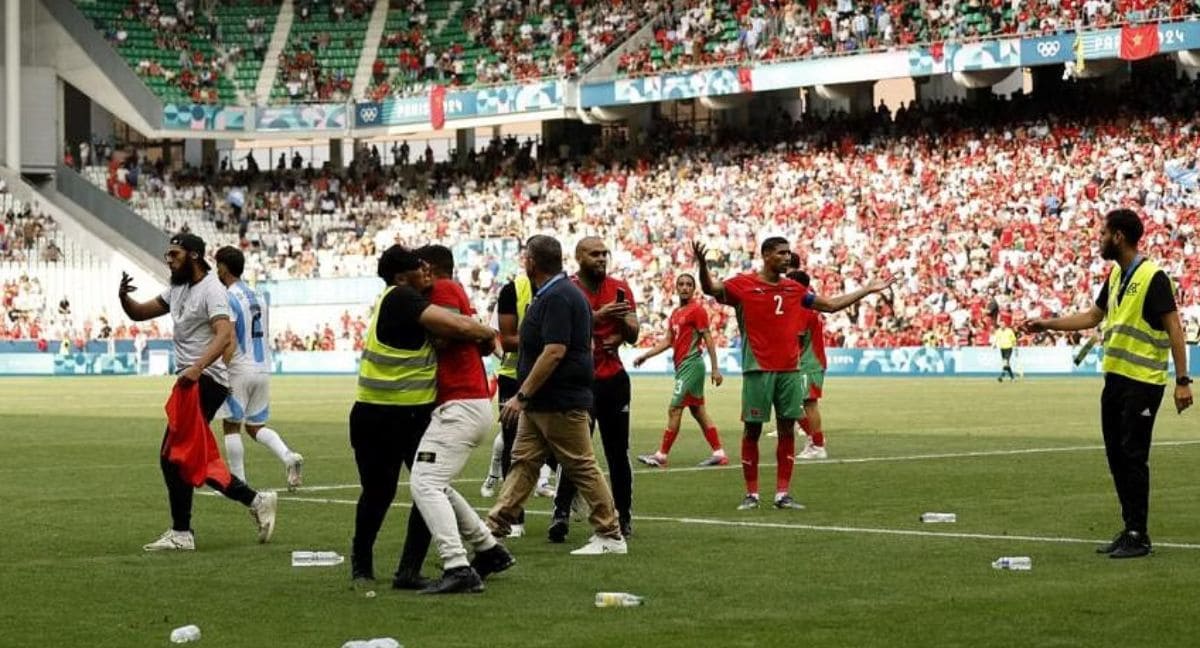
(99, 358)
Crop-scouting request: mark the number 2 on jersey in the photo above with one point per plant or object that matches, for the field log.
(778, 304)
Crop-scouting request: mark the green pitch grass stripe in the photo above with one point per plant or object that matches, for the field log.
(858, 460)
(801, 527)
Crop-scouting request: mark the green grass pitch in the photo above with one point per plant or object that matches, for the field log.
(1020, 464)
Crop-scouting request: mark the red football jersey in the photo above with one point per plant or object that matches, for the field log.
(460, 372)
(812, 341)
(608, 363)
(769, 319)
(687, 325)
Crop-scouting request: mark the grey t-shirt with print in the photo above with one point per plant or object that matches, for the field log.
(193, 308)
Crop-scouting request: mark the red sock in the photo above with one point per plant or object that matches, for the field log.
(668, 441)
(750, 464)
(816, 436)
(785, 461)
(714, 439)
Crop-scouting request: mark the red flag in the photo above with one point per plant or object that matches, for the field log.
(437, 107)
(1139, 42)
(189, 442)
(937, 51)
(744, 80)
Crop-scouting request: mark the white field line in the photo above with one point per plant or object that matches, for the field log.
(859, 460)
(802, 527)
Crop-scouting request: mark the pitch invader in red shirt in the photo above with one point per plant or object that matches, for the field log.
(614, 322)
(770, 309)
(687, 329)
(461, 420)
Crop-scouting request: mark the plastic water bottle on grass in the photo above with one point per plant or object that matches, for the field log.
(617, 599)
(316, 558)
(186, 634)
(1014, 563)
(930, 518)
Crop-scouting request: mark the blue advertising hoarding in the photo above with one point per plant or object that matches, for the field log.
(462, 104)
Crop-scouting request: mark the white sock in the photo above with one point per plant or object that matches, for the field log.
(496, 469)
(270, 438)
(544, 475)
(235, 455)
(719, 452)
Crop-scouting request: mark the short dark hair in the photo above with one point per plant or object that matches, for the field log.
(1126, 222)
(233, 260)
(394, 260)
(439, 257)
(545, 252)
(687, 275)
(771, 243)
(800, 277)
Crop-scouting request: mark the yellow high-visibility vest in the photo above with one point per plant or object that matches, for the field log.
(508, 364)
(1132, 348)
(391, 376)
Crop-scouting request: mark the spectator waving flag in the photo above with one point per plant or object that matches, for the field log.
(1139, 42)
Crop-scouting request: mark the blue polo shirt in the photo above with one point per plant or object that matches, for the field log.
(558, 314)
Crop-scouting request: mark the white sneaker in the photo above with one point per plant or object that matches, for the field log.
(516, 530)
(262, 511)
(173, 540)
(773, 434)
(488, 488)
(813, 452)
(295, 464)
(598, 545)
(544, 489)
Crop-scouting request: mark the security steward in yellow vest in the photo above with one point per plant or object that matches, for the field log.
(1141, 330)
(397, 390)
(1006, 341)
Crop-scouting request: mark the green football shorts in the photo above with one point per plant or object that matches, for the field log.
(782, 390)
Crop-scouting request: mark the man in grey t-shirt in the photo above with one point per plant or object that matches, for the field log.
(199, 309)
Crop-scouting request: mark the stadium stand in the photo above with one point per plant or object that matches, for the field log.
(186, 55)
(322, 51)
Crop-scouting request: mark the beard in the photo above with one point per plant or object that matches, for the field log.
(1108, 251)
(182, 276)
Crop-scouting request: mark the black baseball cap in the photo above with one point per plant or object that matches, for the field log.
(191, 243)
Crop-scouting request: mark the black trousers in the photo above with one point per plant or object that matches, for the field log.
(179, 492)
(385, 438)
(1127, 412)
(610, 412)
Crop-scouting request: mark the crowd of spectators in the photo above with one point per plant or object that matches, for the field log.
(503, 42)
(987, 212)
(692, 33)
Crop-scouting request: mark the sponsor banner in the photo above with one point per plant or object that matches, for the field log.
(195, 117)
(944, 58)
(840, 69)
(461, 104)
(302, 117)
(703, 83)
(1045, 50)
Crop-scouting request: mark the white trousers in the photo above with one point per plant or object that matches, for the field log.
(456, 428)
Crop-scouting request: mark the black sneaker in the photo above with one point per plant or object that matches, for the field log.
(1133, 545)
(1112, 546)
(626, 528)
(460, 580)
(411, 581)
(492, 561)
(559, 527)
(361, 568)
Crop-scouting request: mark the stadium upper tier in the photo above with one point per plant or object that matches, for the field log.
(985, 211)
(186, 54)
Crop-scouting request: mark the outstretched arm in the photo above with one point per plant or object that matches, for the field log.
(834, 304)
(710, 286)
(662, 345)
(1074, 322)
(135, 310)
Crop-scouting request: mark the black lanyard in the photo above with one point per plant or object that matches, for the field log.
(1137, 261)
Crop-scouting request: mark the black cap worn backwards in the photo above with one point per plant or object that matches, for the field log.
(191, 243)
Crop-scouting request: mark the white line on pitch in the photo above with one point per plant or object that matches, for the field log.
(859, 460)
(808, 527)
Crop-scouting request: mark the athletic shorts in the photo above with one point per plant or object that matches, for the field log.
(764, 390)
(813, 383)
(689, 384)
(248, 400)
(1006, 355)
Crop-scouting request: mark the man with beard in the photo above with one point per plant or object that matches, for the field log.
(199, 308)
(1141, 328)
(688, 327)
(614, 316)
(397, 393)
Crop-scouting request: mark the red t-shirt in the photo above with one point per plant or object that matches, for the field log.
(608, 363)
(769, 319)
(688, 323)
(460, 372)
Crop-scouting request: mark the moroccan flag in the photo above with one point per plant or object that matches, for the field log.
(437, 107)
(189, 443)
(1139, 42)
(937, 51)
(744, 80)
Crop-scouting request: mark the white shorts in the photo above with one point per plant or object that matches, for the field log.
(248, 400)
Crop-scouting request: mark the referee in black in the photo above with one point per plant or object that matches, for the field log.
(1141, 331)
